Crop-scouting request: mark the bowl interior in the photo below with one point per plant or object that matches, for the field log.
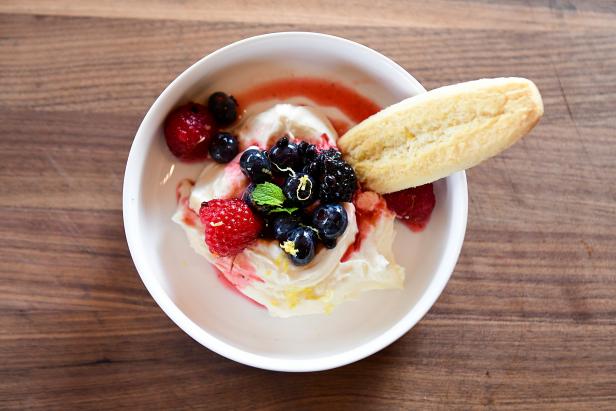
(219, 314)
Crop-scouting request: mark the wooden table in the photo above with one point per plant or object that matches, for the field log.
(528, 319)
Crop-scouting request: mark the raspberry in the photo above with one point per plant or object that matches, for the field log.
(413, 205)
(188, 130)
(230, 226)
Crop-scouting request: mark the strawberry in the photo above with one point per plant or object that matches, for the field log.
(230, 226)
(188, 130)
(413, 205)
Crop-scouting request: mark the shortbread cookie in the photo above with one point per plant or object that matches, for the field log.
(434, 134)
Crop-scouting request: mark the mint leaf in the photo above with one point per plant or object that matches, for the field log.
(268, 194)
(289, 210)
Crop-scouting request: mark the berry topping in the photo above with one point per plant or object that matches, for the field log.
(299, 244)
(223, 147)
(268, 227)
(230, 226)
(284, 157)
(188, 130)
(329, 244)
(223, 108)
(282, 224)
(413, 205)
(249, 199)
(330, 220)
(308, 152)
(300, 189)
(336, 177)
(291, 213)
(255, 165)
(267, 198)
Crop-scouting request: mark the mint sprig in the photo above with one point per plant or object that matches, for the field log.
(268, 194)
(288, 210)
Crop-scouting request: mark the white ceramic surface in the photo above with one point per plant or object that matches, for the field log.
(186, 287)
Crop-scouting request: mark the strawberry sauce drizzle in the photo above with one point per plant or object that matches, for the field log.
(323, 92)
(369, 207)
(340, 126)
(189, 217)
(233, 288)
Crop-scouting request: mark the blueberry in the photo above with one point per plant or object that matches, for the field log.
(282, 224)
(329, 244)
(255, 165)
(313, 169)
(307, 151)
(330, 220)
(247, 197)
(223, 147)
(268, 227)
(299, 244)
(284, 155)
(300, 189)
(223, 108)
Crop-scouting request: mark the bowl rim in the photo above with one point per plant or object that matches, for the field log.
(133, 176)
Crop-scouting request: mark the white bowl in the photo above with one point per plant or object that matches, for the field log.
(184, 284)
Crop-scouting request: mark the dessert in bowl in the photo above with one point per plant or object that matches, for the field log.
(208, 300)
(311, 238)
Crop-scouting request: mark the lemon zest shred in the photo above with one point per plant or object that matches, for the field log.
(295, 296)
(303, 182)
(289, 247)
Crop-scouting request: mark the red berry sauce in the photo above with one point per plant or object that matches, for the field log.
(369, 207)
(321, 91)
(189, 217)
(229, 285)
(413, 206)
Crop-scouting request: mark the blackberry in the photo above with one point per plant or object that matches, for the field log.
(336, 177)
(313, 169)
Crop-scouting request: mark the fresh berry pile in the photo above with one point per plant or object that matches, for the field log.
(298, 192)
(192, 130)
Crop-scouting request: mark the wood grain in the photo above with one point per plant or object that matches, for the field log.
(528, 320)
(542, 15)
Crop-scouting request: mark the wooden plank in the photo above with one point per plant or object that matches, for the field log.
(528, 320)
(474, 14)
(132, 360)
(121, 66)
